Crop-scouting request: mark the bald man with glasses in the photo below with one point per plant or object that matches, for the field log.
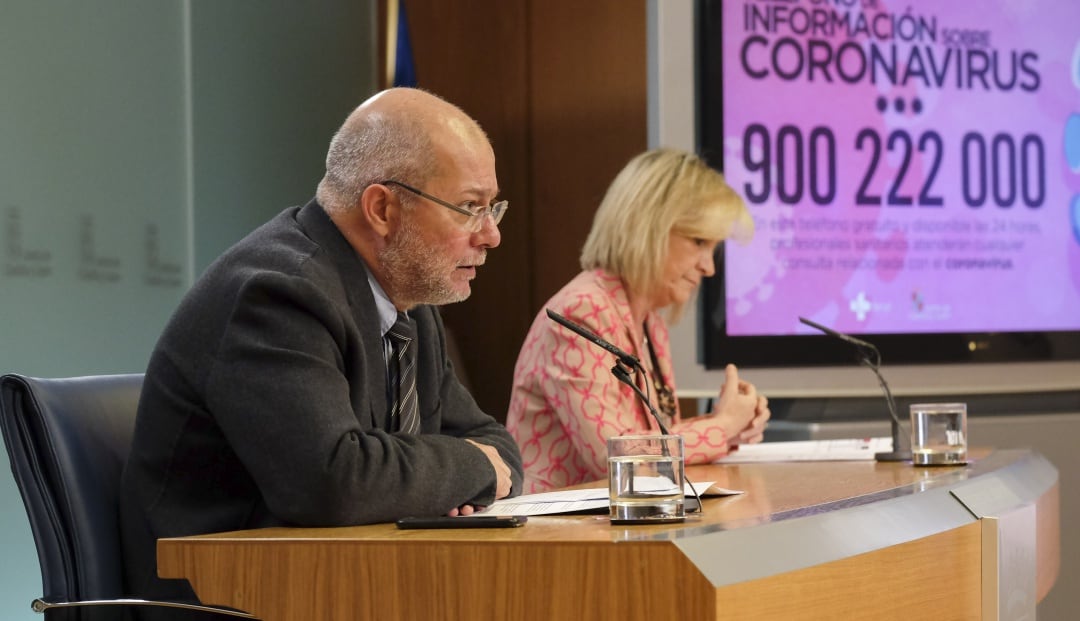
(304, 380)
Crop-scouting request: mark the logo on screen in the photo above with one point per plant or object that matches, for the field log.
(923, 310)
(860, 306)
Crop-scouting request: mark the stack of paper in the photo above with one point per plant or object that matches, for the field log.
(579, 500)
(851, 449)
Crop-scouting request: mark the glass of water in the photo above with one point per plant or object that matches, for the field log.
(645, 479)
(939, 434)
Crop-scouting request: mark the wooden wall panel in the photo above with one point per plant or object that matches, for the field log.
(473, 53)
(588, 92)
(560, 87)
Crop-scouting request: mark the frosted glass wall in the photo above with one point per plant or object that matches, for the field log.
(137, 141)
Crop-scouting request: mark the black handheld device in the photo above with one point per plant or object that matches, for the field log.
(474, 521)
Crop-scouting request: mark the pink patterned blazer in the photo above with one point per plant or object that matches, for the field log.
(565, 401)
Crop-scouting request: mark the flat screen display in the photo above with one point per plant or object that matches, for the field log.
(913, 172)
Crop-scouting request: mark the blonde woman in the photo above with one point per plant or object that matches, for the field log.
(651, 243)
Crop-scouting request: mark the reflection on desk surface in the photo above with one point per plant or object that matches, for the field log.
(774, 491)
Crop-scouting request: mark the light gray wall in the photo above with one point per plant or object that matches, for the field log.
(272, 82)
(92, 130)
(137, 141)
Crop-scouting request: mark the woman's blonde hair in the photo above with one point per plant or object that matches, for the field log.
(659, 192)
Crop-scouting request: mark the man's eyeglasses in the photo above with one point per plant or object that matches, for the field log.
(476, 214)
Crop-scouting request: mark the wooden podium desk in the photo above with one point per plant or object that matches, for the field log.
(815, 540)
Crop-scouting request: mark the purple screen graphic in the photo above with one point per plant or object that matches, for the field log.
(911, 167)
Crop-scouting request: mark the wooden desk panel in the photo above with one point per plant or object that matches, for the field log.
(734, 562)
(937, 577)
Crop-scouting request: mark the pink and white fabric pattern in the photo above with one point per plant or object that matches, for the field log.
(566, 402)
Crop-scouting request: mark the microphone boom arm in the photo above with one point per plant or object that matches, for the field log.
(624, 364)
(901, 450)
(622, 373)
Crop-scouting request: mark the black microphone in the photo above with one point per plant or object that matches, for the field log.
(621, 370)
(841, 335)
(623, 364)
(625, 358)
(898, 453)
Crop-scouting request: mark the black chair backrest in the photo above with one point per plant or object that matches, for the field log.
(68, 440)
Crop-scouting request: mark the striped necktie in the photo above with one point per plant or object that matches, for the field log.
(406, 410)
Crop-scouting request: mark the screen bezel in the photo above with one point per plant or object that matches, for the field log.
(801, 350)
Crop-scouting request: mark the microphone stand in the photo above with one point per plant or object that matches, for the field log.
(622, 373)
(624, 363)
(899, 452)
(870, 356)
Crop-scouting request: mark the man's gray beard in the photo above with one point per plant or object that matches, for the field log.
(413, 271)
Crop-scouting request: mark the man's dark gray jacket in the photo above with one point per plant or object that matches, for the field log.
(265, 404)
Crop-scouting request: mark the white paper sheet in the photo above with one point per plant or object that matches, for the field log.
(579, 500)
(849, 449)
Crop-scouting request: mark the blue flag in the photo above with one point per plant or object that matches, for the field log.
(404, 69)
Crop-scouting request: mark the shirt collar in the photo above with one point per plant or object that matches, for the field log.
(386, 309)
